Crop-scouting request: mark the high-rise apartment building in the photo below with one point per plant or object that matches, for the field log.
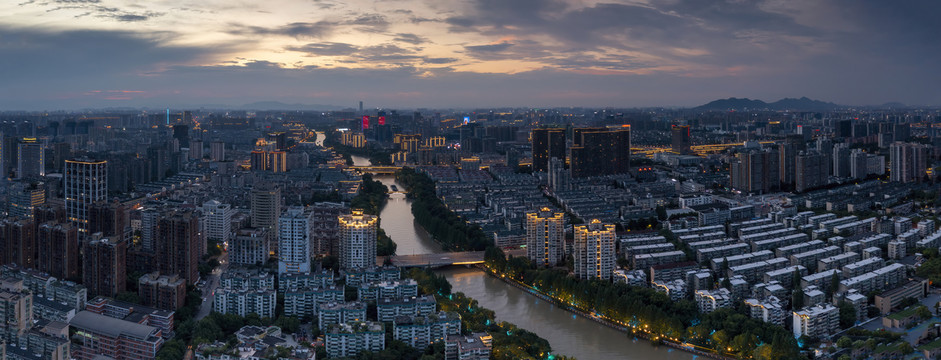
(85, 183)
(545, 237)
(908, 162)
(326, 227)
(18, 242)
(358, 240)
(217, 151)
(104, 265)
(756, 171)
(58, 250)
(218, 220)
(841, 160)
(295, 228)
(250, 247)
(149, 218)
(547, 144)
(681, 139)
(811, 171)
(859, 164)
(196, 149)
(594, 250)
(266, 207)
(108, 218)
(601, 152)
(31, 159)
(177, 245)
(16, 311)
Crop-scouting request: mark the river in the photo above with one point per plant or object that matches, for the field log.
(568, 334)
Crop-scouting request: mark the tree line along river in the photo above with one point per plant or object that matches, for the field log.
(568, 334)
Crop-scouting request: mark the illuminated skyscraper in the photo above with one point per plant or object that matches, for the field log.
(358, 240)
(545, 237)
(277, 161)
(86, 182)
(547, 144)
(259, 160)
(594, 250)
(681, 139)
(295, 228)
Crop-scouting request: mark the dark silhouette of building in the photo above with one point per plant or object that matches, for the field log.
(681, 139)
(177, 245)
(18, 242)
(104, 266)
(756, 171)
(58, 250)
(601, 152)
(547, 144)
(182, 133)
(110, 219)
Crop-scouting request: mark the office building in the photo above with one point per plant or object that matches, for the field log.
(601, 152)
(99, 335)
(85, 183)
(104, 265)
(250, 247)
(167, 292)
(594, 250)
(266, 207)
(358, 240)
(278, 161)
(681, 139)
(547, 144)
(218, 220)
(177, 245)
(545, 235)
(908, 162)
(58, 250)
(353, 139)
(295, 228)
(258, 160)
(25, 197)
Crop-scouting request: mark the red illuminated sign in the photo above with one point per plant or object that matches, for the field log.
(382, 120)
(365, 122)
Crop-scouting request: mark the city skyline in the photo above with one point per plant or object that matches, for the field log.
(117, 53)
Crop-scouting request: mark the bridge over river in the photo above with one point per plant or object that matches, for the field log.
(442, 259)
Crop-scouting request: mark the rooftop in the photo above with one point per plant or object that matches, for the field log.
(110, 326)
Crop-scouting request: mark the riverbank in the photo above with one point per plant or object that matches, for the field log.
(637, 333)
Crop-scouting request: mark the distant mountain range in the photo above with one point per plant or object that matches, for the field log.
(276, 105)
(783, 104)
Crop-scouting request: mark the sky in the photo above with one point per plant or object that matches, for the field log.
(73, 54)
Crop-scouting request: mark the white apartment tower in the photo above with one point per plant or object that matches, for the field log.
(358, 240)
(594, 250)
(295, 227)
(545, 237)
(218, 220)
(86, 182)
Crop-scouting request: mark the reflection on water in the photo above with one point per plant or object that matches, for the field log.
(568, 334)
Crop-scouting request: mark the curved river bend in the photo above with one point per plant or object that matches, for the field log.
(568, 334)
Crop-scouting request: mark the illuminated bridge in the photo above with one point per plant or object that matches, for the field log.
(376, 169)
(442, 259)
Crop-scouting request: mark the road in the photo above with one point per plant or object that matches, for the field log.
(211, 284)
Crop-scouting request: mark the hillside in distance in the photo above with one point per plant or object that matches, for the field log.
(784, 104)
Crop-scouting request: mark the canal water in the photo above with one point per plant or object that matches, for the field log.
(568, 334)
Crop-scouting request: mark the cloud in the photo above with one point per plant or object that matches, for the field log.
(410, 38)
(489, 48)
(326, 49)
